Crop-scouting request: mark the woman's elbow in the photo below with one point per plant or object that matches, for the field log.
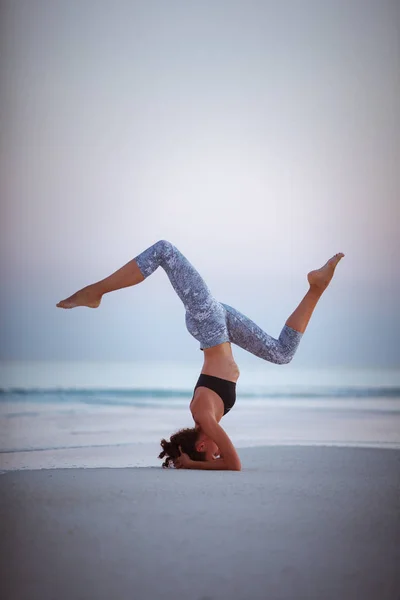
(235, 466)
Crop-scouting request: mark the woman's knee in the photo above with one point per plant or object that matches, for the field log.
(164, 244)
(284, 357)
(164, 247)
(289, 340)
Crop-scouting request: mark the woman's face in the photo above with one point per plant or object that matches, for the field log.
(212, 450)
(207, 445)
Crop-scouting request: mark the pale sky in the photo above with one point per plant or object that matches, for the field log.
(259, 137)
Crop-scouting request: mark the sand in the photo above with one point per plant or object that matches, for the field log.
(296, 523)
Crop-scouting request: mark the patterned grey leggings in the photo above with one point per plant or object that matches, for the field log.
(209, 321)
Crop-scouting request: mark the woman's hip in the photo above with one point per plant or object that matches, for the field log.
(209, 327)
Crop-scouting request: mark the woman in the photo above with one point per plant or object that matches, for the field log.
(215, 326)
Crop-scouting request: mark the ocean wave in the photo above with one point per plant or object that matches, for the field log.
(151, 397)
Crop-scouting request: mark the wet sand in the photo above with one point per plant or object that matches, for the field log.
(296, 523)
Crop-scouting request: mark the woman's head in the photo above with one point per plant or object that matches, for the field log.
(193, 443)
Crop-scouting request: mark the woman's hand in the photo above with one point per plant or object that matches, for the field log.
(183, 461)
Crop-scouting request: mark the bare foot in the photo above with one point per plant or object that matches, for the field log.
(87, 296)
(320, 278)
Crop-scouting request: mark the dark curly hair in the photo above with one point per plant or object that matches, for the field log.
(186, 439)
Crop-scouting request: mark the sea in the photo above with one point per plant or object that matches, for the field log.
(114, 414)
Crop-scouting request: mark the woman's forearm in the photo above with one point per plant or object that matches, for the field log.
(219, 464)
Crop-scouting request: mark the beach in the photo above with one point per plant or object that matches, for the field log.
(88, 512)
(295, 523)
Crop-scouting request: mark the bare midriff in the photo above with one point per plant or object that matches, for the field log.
(219, 362)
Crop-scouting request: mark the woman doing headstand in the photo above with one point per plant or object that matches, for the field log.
(215, 326)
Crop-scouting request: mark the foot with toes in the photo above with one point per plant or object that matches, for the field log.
(320, 278)
(87, 296)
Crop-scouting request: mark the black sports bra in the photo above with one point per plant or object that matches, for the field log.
(225, 389)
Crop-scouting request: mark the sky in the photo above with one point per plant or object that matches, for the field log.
(259, 137)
